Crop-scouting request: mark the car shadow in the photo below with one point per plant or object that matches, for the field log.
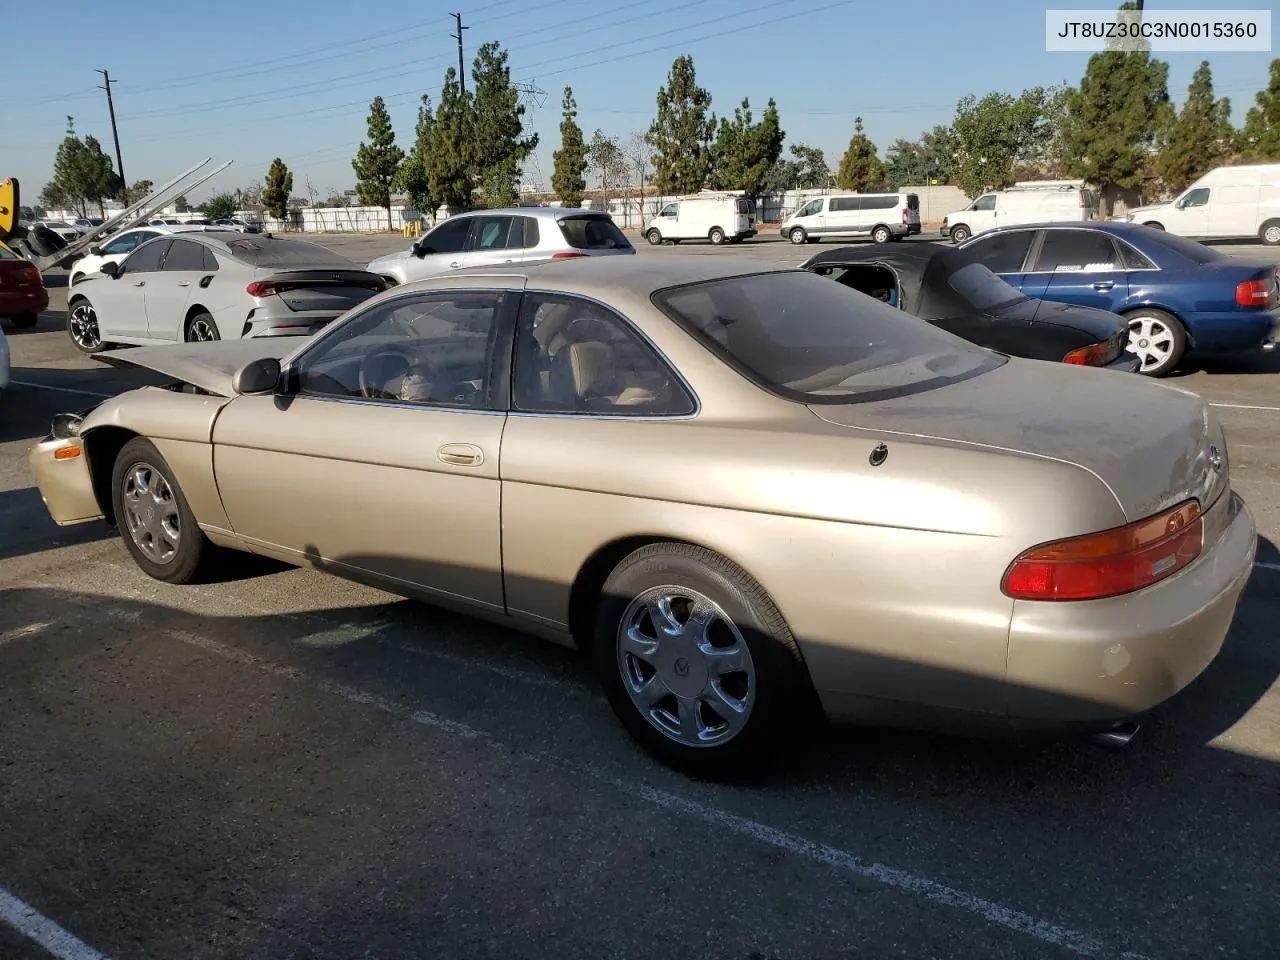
(26, 527)
(1252, 362)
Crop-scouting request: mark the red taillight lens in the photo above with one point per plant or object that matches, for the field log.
(567, 255)
(262, 288)
(1109, 563)
(1094, 355)
(1253, 293)
(905, 217)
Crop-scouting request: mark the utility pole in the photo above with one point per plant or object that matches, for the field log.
(462, 83)
(115, 134)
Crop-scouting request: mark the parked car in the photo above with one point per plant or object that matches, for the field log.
(84, 224)
(950, 289)
(503, 238)
(237, 224)
(199, 285)
(713, 216)
(22, 291)
(1227, 203)
(1034, 201)
(1179, 298)
(744, 489)
(119, 246)
(880, 216)
(60, 227)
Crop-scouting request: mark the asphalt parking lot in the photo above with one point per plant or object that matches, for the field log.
(285, 765)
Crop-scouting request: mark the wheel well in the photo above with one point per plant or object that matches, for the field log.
(1125, 311)
(879, 225)
(191, 314)
(101, 447)
(1153, 223)
(1274, 221)
(714, 229)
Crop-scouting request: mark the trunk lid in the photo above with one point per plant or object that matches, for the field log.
(332, 291)
(1153, 445)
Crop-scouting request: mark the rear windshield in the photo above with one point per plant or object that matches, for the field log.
(278, 252)
(593, 233)
(913, 201)
(1196, 252)
(805, 338)
(745, 205)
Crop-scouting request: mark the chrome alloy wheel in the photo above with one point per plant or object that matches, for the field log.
(83, 326)
(1152, 341)
(202, 331)
(151, 513)
(686, 666)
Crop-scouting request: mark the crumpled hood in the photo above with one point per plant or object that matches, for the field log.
(391, 259)
(208, 366)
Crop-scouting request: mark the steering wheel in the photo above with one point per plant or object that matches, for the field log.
(371, 387)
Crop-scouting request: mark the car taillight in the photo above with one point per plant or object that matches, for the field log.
(567, 255)
(1094, 355)
(1253, 293)
(1109, 563)
(264, 288)
(905, 220)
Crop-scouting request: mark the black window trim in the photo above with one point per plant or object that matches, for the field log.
(1033, 254)
(497, 401)
(627, 324)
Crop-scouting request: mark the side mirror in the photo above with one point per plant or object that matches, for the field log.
(95, 250)
(112, 270)
(257, 376)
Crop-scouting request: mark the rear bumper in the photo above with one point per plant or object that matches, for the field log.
(14, 302)
(1108, 660)
(1233, 331)
(286, 323)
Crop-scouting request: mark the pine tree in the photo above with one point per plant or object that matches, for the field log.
(276, 190)
(568, 179)
(452, 159)
(1200, 137)
(500, 147)
(411, 178)
(860, 169)
(1116, 116)
(744, 151)
(681, 134)
(377, 162)
(1260, 139)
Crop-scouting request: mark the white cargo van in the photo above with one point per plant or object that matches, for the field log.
(1227, 203)
(1031, 201)
(718, 217)
(880, 216)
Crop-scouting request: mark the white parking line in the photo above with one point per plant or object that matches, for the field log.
(1267, 566)
(30, 922)
(1244, 406)
(45, 386)
(996, 913)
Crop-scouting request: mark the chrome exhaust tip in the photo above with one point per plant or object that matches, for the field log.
(1118, 736)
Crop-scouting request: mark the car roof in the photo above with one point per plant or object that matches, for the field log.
(1117, 227)
(539, 213)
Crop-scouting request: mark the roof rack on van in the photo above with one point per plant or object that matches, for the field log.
(710, 195)
(1048, 185)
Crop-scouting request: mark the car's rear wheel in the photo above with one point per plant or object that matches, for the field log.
(82, 327)
(960, 233)
(797, 235)
(654, 237)
(1270, 233)
(881, 235)
(202, 329)
(716, 236)
(155, 521)
(697, 662)
(25, 321)
(1158, 340)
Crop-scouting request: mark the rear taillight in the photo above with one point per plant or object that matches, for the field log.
(567, 255)
(264, 288)
(1109, 563)
(1253, 293)
(1094, 355)
(905, 219)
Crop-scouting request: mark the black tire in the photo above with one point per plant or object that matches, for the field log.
(797, 235)
(193, 550)
(201, 328)
(653, 236)
(25, 321)
(881, 234)
(778, 695)
(960, 233)
(83, 329)
(1176, 337)
(1269, 233)
(1154, 224)
(716, 236)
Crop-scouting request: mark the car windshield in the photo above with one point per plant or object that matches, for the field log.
(593, 233)
(1196, 252)
(276, 252)
(982, 288)
(805, 338)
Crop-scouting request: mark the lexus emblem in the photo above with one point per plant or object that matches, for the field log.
(681, 667)
(1215, 458)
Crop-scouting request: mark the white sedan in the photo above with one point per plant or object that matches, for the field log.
(119, 247)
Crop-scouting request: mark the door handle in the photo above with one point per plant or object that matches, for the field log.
(461, 454)
(455, 264)
(184, 283)
(1104, 285)
(139, 283)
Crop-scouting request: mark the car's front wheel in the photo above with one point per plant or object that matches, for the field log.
(797, 235)
(156, 523)
(697, 662)
(959, 233)
(82, 327)
(654, 237)
(1158, 340)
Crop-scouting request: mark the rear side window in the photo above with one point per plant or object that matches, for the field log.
(839, 204)
(593, 233)
(491, 233)
(278, 252)
(210, 259)
(184, 255)
(880, 203)
(1075, 250)
(1133, 258)
(531, 235)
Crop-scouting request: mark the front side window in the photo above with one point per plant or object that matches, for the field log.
(810, 208)
(985, 203)
(449, 237)
(147, 258)
(1196, 198)
(670, 210)
(805, 338)
(435, 349)
(574, 356)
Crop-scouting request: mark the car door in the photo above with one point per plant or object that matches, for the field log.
(587, 388)
(443, 249)
(490, 243)
(1003, 253)
(1077, 266)
(1189, 216)
(981, 215)
(381, 457)
(119, 247)
(169, 293)
(120, 301)
(668, 221)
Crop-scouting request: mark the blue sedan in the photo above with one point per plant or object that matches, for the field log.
(1178, 296)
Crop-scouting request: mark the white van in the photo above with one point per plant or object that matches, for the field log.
(881, 216)
(1227, 203)
(718, 217)
(1031, 201)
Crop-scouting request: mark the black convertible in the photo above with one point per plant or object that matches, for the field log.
(950, 289)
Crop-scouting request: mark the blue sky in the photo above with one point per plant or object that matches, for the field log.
(230, 80)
